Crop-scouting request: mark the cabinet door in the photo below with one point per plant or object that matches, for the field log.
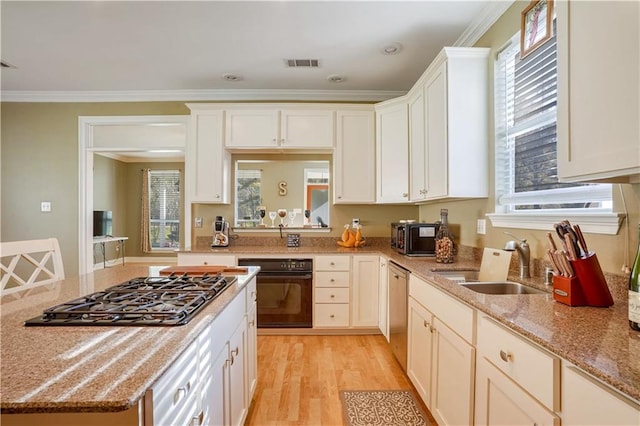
(383, 301)
(218, 391)
(586, 401)
(251, 128)
(417, 147)
(252, 353)
(435, 90)
(598, 103)
(499, 401)
(354, 165)
(306, 129)
(452, 384)
(364, 305)
(420, 349)
(392, 153)
(237, 381)
(208, 165)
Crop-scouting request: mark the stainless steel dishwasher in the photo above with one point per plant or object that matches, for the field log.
(398, 297)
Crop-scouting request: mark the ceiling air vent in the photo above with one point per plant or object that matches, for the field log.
(302, 63)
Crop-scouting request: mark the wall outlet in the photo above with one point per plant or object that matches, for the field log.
(45, 206)
(355, 222)
(198, 222)
(481, 226)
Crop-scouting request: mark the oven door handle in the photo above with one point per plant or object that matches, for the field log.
(285, 277)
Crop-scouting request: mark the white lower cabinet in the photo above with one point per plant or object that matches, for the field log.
(586, 401)
(331, 287)
(364, 290)
(420, 350)
(500, 401)
(383, 298)
(441, 362)
(452, 381)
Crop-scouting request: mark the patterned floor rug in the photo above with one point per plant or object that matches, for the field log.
(378, 408)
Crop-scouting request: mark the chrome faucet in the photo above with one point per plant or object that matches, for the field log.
(524, 254)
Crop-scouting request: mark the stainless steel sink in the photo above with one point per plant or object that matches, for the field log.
(469, 278)
(501, 287)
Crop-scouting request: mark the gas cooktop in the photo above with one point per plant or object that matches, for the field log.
(144, 301)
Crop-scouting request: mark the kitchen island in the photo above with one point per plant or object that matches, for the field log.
(103, 371)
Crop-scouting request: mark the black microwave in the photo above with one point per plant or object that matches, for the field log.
(414, 239)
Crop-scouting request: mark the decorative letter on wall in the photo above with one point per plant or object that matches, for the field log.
(283, 188)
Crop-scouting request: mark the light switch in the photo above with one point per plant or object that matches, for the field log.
(45, 206)
(481, 226)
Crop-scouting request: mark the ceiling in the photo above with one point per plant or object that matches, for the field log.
(180, 50)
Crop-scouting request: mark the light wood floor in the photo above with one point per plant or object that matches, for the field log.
(299, 377)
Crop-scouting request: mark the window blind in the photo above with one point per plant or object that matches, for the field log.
(526, 137)
(164, 208)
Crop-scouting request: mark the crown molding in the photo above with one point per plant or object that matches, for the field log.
(481, 24)
(200, 95)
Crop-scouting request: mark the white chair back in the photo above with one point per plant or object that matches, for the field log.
(28, 264)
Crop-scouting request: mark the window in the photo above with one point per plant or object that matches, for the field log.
(248, 196)
(164, 209)
(526, 115)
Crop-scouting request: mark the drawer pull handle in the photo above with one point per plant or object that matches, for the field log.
(426, 324)
(181, 392)
(505, 356)
(254, 295)
(197, 420)
(234, 354)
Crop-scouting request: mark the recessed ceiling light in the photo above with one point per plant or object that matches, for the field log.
(391, 49)
(336, 78)
(231, 77)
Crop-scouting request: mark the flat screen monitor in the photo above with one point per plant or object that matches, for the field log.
(102, 223)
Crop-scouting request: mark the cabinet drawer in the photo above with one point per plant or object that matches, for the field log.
(332, 295)
(332, 263)
(331, 315)
(534, 369)
(196, 259)
(458, 316)
(174, 394)
(332, 279)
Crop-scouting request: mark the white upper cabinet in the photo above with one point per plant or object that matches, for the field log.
(417, 147)
(272, 127)
(456, 120)
(392, 152)
(252, 128)
(354, 165)
(207, 164)
(598, 91)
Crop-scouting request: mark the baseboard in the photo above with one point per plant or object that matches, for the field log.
(316, 331)
(148, 260)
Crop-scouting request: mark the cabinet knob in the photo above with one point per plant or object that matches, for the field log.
(251, 323)
(405, 195)
(332, 316)
(505, 356)
(205, 263)
(432, 329)
(332, 264)
(333, 296)
(339, 197)
(273, 140)
(332, 280)
(426, 324)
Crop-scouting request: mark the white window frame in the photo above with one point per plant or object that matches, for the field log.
(159, 172)
(591, 220)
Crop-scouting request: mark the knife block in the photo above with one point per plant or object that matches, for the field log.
(568, 290)
(594, 287)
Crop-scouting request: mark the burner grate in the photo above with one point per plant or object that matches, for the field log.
(159, 301)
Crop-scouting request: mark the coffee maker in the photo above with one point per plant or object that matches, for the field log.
(220, 232)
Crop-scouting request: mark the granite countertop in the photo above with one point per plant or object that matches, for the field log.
(88, 368)
(598, 340)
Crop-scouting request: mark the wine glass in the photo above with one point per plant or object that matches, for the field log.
(262, 210)
(292, 216)
(282, 213)
(272, 216)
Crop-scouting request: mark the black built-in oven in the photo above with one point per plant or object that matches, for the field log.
(285, 292)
